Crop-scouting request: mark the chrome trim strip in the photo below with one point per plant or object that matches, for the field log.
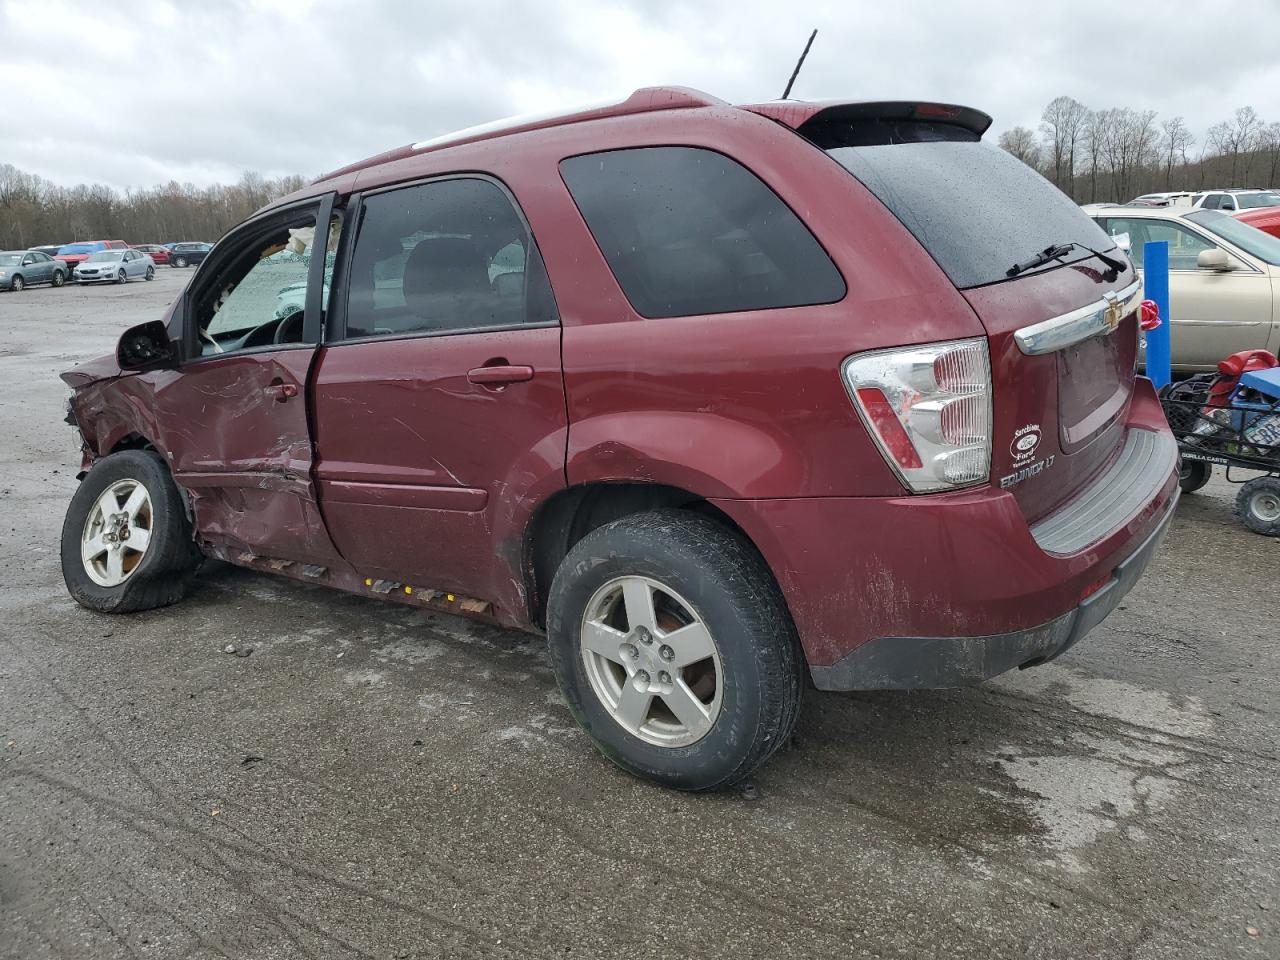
(1099, 317)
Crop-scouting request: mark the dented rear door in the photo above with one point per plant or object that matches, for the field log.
(234, 420)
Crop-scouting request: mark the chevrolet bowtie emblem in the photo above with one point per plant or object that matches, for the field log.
(1113, 312)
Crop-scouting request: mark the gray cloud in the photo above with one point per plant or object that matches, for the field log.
(203, 91)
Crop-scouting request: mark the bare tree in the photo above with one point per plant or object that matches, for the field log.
(1063, 126)
(1269, 152)
(1178, 139)
(1020, 142)
(1094, 137)
(35, 211)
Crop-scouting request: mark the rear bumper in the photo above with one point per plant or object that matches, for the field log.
(914, 663)
(950, 589)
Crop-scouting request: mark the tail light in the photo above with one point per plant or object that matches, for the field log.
(929, 410)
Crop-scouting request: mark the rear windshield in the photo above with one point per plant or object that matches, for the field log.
(976, 209)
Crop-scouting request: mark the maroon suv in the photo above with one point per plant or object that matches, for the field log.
(718, 395)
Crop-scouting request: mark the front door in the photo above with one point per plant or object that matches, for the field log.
(233, 416)
(1212, 314)
(439, 401)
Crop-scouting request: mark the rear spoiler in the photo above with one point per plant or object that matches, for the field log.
(799, 114)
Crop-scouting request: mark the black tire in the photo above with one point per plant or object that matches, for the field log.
(1194, 475)
(1258, 505)
(734, 594)
(180, 261)
(163, 575)
(151, 273)
(121, 277)
(16, 283)
(59, 278)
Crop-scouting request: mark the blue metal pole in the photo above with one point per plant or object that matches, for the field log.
(1155, 279)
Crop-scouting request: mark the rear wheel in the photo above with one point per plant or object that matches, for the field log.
(1258, 505)
(59, 278)
(126, 540)
(1194, 475)
(674, 649)
(17, 284)
(180, 262)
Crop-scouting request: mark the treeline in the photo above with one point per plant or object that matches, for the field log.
(1116, 154)
(34, 211)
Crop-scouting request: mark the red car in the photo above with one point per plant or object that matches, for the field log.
(1266, 219)
(785, 391)
(72, 254)
(156, 252)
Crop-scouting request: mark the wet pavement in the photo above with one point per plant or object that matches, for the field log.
(378, 781)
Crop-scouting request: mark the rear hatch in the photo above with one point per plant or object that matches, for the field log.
(1060, 396)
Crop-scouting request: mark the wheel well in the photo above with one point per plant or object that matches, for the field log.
(132, 441)
(571, 514)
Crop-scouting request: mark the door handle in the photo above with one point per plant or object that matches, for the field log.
(499, 374)
(281, 391)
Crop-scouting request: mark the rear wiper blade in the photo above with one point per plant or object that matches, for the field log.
(1057, 252)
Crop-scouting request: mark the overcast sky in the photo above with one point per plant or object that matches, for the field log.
(142, 92)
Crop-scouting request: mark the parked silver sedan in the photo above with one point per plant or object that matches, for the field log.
(115, 266)
(22, 268)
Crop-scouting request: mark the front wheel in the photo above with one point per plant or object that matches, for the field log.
(17, 284)
(126, 540)
(1193, 475)
(59, 278)
(120, 277)
(151, 273)
(1258, 505)
(674, 649)
(180, 262)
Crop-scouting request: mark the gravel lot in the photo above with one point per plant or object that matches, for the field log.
(378, 781)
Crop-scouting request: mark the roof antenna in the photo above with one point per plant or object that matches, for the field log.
(799, 63)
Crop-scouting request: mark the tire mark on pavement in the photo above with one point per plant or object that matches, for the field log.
(129, 815)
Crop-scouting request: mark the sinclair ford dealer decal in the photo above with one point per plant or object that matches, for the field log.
(1023, 447)
(1025, 441)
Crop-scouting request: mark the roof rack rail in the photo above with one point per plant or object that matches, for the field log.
(644, 100)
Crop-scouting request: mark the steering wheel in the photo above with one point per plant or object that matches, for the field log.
(289, 329)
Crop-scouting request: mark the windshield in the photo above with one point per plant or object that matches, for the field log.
(104, 255)
(1249, 239)
(1247, 201)
(976, 209)
(78, 248)
(10, 259)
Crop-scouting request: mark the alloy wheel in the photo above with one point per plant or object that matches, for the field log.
(651, 661)
(117, 533)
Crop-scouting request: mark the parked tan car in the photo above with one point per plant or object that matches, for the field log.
(1224, 279)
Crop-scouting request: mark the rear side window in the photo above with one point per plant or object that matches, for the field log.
(688, 231)
(441, 257)
(974, 208)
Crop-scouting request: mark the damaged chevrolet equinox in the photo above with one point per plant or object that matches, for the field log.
(728, 400)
